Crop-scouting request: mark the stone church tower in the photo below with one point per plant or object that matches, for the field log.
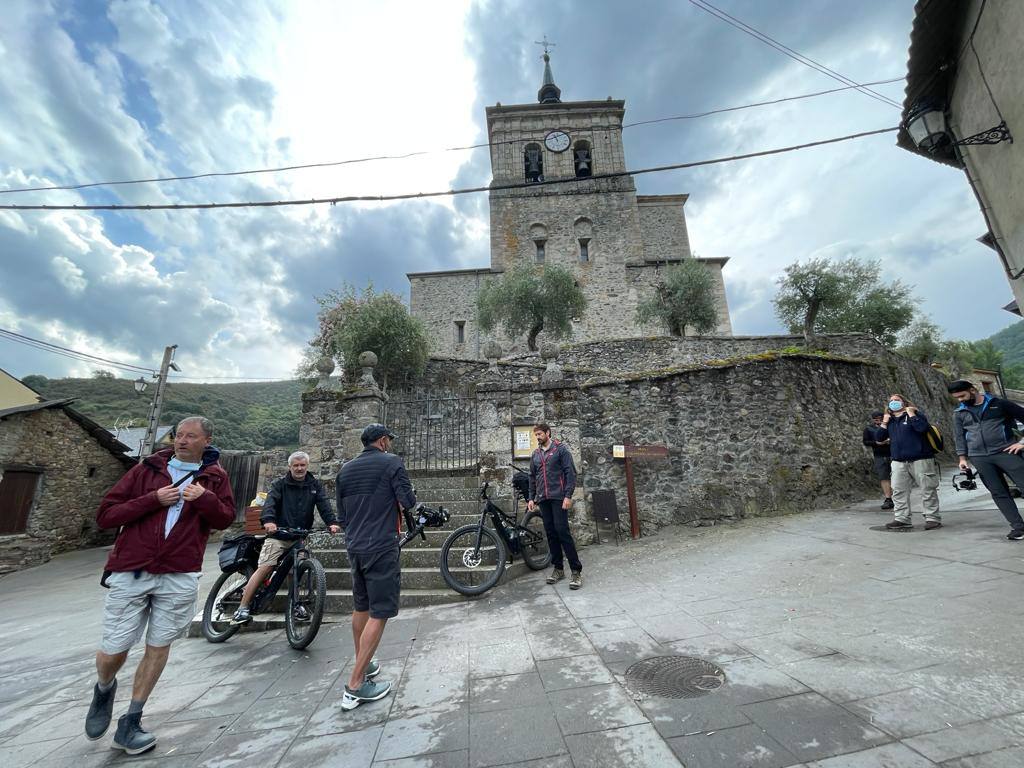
(552, 202)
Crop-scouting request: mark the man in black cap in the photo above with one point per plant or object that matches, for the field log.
(877, 439)
(371, 489)
(983, 432)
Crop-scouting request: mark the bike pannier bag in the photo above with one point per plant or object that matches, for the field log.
(238, 551)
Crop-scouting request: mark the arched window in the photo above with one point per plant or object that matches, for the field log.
(533, 163)
(583, 162)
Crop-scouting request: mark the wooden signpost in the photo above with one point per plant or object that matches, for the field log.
(631, 453)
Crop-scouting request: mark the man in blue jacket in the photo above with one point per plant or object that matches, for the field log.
(983, 432)
(370, 489)
(552, 482)
(913, 462)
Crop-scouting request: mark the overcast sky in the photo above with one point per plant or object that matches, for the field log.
(94, 90)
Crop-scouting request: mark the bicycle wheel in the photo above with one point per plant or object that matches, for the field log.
(304, 613)
(533, 541)
(221, 604)
(472, 559)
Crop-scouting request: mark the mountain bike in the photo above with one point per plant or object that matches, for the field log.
(473, 557)
(307, 590)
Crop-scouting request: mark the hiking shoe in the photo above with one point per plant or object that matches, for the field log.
(887, 504)
(368, 691)
(897, 525)
(372, 669)
(242, 616)
(557, 574)
(97, 720)
(577, 580)
(1015, 535)
(131, 737)
(932, 524)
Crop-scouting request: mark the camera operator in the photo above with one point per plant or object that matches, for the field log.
(983, 432)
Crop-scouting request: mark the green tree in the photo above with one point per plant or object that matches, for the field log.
(100, 373)
(986, 355)
(352, 323)
(529, 299)
(956, 358)
(842, 296)
(922, 341)
(684, 298)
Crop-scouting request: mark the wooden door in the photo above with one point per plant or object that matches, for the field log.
(17, 489)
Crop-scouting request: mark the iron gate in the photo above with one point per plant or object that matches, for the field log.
(434, 432)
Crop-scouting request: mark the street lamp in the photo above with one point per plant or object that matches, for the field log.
(140, 385)
(926, 123)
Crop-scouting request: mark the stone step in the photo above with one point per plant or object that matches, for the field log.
(445, 496)
(422, 557)
(432, 483)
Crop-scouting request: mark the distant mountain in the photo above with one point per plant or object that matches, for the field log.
(1010, 341)
(246, 416)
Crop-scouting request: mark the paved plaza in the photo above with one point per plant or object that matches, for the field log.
(842, 647)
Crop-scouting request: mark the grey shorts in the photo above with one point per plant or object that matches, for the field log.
(883, 467)
(160, 605)
(376, 583)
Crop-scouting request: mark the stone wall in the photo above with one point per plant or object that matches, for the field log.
(663, 226)
(75, 473)
(655, 353)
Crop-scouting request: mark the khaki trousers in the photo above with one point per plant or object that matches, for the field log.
(924, 473)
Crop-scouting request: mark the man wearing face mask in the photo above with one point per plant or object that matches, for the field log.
(913, 462)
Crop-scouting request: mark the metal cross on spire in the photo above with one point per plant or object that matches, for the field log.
(545, 43)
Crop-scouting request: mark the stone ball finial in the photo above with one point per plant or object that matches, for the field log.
(492, 350)
(326, 365)
(549, 351)
(367, 360)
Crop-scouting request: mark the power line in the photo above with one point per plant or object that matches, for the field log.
(71, 353)
(787, 51)
(443, 193)
(420, 153)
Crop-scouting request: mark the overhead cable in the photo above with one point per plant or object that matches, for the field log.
(75, 354)
(418, 153)
(442, 193)
(787, 51)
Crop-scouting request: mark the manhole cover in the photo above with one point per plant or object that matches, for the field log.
(674, 677)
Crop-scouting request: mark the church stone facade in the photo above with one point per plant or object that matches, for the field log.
(560, 194)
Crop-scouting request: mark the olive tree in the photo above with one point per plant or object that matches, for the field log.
(685, 298)
(530, 299)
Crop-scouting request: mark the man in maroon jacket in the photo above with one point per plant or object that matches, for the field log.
(165, 508)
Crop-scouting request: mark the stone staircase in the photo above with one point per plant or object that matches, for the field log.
(422, 583)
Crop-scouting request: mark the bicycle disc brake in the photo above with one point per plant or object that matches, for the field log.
(471, 558)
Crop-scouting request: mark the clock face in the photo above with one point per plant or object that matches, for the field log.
(557, 141)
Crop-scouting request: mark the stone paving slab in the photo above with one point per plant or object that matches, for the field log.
(842, 648)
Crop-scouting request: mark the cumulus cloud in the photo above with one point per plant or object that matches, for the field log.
(143, 88)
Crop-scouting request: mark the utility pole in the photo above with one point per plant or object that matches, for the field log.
(158, 402)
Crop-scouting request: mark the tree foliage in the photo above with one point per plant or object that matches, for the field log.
(685, 298)
(353, 322)
(530, 299)
(922, 341)
(842, 296)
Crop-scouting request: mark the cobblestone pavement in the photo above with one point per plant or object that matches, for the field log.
(842, 647)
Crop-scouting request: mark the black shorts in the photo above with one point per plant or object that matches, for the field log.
(376, 583)
(883, 467)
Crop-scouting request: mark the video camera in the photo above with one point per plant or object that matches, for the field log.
(431, 518)
(968, 483)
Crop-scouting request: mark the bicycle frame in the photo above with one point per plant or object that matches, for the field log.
(501, 521)
(288, 565)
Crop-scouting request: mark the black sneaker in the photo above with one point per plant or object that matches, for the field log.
(97, 720)
(1015, 535)
(932, 525)
(131, 737)
(897, 525)
(887, 504)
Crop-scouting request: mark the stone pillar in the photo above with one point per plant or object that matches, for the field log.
(332, 422)
(494, 431)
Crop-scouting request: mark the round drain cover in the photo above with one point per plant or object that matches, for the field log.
(674, 677)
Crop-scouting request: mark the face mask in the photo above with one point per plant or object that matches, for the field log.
(895, 405)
